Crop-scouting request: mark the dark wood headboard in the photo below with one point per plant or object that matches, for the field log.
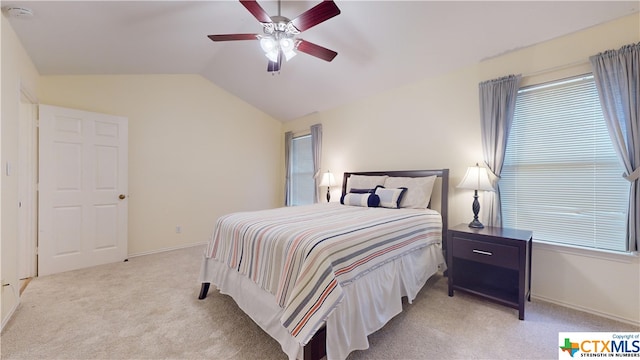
(443, 174)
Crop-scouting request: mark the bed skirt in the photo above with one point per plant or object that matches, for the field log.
(368, 304)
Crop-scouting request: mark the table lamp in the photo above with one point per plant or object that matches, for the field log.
(328, 180)
(476, 178)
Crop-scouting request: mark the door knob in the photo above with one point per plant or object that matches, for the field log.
(121, 197)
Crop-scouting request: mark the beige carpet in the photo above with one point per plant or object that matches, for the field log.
(147, 308)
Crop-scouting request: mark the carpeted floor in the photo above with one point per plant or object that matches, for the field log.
(147, 308)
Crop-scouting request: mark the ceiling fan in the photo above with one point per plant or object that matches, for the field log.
(278, 40)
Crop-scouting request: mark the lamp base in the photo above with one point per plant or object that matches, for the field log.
(476, 224)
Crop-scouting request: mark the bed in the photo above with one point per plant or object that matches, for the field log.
(320, 278)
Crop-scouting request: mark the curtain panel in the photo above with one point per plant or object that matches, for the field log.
(288, 139)
(497, 107)
(617, 78)
(316, 148)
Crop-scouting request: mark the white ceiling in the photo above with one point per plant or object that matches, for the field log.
(380, 44)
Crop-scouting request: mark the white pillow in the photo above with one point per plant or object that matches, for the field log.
(365, 182)
(390, 198)
(362, 199)
(418, 192)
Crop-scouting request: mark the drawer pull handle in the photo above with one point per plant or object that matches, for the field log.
(482, 252)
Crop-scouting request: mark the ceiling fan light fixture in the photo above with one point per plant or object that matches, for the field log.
(270, 48)
(268, 44)
(288, 45)
(289, 54)
(272, 55)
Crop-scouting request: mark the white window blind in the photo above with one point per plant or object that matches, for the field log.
(301, 176)
(561, 178)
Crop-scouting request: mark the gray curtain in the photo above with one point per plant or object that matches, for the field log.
(617, 77)
(288, 139)
(316, 148)
(497, 106)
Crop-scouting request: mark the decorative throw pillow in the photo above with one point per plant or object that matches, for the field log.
(364, 182)
(360, 199)
(418, 193)
(390, 198)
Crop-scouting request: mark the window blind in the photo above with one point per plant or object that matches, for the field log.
(302, 184)
(561, 178)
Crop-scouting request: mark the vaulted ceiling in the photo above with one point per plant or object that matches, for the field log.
(380, 44)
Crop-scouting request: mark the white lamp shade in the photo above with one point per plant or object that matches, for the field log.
(476, 178)
(270, 48)
(289, 54)
(328, 180)
(287, 45)
(268, 44)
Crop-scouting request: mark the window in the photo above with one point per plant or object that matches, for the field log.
(301, 191)
(561, 177)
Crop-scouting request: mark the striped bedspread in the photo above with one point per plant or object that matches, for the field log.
(304, 255)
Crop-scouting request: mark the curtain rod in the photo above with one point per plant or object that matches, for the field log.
(557, 68)
(302, 132)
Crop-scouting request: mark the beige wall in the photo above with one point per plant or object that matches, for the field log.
(195, 151)
(18, 72)
(434, 123)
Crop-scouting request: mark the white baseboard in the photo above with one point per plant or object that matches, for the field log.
(587, 310)
(13, 309)
(6, 320)
(167, 249)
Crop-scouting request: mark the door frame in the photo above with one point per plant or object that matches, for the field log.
(27, 186)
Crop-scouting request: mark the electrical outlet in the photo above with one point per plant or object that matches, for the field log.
(178, 229)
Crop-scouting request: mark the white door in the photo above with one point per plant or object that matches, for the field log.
(82, 213)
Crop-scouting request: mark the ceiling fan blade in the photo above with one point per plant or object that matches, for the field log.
(317, 14)
(256, 10)
(231, 37)
(316, 50)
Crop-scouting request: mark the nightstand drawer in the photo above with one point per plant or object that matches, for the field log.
(487, 253)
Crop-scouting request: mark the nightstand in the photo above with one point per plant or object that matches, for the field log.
(493, 262)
